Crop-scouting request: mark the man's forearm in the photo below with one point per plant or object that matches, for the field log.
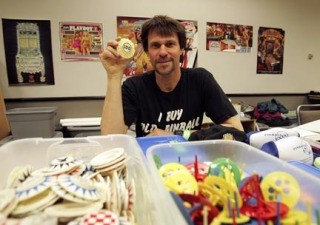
(234, 122)
(112, 119)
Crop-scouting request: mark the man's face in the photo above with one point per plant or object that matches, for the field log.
(164, 53)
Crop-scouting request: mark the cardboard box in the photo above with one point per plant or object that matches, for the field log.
(32, 122)
(4, 128)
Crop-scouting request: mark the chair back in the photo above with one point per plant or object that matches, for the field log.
(308, 113)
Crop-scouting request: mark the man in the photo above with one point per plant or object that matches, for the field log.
(166, 99)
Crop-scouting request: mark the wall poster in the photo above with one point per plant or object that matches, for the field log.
(130, 27)
(80, 41)
(270, 50)
(190, 51)
(28, 52)
(223, 37)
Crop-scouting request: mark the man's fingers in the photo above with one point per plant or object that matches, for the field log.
(110, 53)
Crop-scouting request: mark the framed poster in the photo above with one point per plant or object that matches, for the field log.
(223, 37)
(270, 50)
(28, 52)
(80, 41)
(190, 51)
(130, 27)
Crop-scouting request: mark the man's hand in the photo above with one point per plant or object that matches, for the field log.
(112, 61)
(158, 132)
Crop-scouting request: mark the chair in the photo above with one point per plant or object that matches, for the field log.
(308, 113)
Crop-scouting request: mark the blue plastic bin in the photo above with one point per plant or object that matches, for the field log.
(308, 168)
(146, 142)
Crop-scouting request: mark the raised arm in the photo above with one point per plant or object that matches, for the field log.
(112, 119)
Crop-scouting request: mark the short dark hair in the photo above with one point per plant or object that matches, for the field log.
(163, 25)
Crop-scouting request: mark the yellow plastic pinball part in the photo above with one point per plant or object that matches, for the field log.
(168, 169)
(126, 48)
(214, 195)
(224, 218)
(227, 191)
(294, 217)
(281, 184)
(228, 176)
(182, 182)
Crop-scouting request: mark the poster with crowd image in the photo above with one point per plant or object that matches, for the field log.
(222, 37)
(80, 41)
(28, 52)
(130, 27)
(270, 50)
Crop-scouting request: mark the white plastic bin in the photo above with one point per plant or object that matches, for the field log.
(242, 154)
(153, 205)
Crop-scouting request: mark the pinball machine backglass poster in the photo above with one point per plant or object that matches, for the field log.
(28, 52)
(80, 41)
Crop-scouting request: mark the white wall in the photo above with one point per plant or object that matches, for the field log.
(236, 73)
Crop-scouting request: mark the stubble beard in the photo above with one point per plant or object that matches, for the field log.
(165, 70)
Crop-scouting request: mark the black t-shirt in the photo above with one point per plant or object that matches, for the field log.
(196, 93)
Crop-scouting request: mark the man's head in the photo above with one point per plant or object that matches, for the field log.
(164, 26)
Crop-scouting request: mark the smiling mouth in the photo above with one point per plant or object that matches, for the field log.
(164, 61)
(163, 64)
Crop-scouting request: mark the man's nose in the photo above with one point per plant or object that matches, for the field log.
(163, 50)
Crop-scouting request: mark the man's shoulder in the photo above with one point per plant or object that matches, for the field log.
(140, 78)
(199, 72)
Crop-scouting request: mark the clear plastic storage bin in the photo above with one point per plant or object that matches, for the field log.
(242, 154)
(153, 204)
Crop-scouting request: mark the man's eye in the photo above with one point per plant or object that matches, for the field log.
(155, 45)
(170, 44)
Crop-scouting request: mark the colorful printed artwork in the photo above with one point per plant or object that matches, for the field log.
(130, 27)
(80, 41)
(270, 50)
(28, 52)
(223, 37)
(190, 51)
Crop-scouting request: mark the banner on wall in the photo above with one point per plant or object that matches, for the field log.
(80, 41)
(28, 52)
(223, 37)
(270, 50)
(130, 27)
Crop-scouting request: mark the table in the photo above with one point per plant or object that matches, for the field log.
(313, 126)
